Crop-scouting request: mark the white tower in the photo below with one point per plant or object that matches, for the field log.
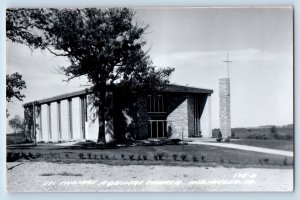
(224, 102)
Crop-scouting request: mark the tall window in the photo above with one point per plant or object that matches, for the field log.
(155, 104)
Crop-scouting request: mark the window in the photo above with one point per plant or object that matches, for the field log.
(155, 104)
(157, 128)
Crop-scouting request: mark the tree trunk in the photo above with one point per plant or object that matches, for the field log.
(101, 117)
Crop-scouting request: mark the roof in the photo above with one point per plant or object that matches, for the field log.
(187, 89)
(170, 88)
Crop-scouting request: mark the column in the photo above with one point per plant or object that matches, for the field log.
(59, 121)
(82, 111)
(70, 125)
(49, 122)
(34, 123)
(40, 123)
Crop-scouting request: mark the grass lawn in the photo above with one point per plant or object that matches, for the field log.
(286, 145)
(191, 155)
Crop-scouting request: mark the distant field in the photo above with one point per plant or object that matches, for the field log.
(286, 145)
(263, 133)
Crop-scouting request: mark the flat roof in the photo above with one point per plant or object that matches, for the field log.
(169, 88)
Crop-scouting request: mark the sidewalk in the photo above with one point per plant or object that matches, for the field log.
(246, 148)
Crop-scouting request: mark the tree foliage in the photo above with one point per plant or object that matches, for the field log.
(18, 124)
(105, 45)
(14, 85)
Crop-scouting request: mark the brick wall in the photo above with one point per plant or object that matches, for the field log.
(224, 98)
(177, 115)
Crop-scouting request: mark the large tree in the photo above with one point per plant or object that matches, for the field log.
(14, 85)
(105, 45)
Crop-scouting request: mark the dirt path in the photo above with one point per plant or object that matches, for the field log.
(54, 177)
(247, 148)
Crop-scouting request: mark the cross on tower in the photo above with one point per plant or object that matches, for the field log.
(227, 61)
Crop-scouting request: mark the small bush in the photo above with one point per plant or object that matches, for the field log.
(24, 155)
(131, 157)
(175, 157)
(30, 155)
(81, 156)
(232, 135)
(222, 160)
(155, 157)
(285, 161)
(106, 157)
(67, 155)
(139, 157)
(183, 157)
(227, 139)
(160, 156)
(89, 155)
(38, 154)
(123, 156)
(145, 157)
(273, 129)
(12, 157)
(195, 159)
(266, 160)
(95, 156)
(203, 158)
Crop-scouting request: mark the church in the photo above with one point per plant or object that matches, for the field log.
(177, 112)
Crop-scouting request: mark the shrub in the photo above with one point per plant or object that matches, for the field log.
(81, 156)
(203, 158)
(145, 157)
(227, 139)
(131, 157)
(106, 157)
(123, 156)
(173, 141)
(195, 159)
(67, 155)
(273, 129)
(160, 156)
(174, 157)
(232, 135)
(38, 154)
(222, 160)
(139, 157)
(102, 157)
(24, 155)
(155, 157)
(266, 160)
(30, 155)
(89, 155)
(183, 157)
(95, 156)
(12, 157)
(220, 135)
(285, 161)
(170, 131)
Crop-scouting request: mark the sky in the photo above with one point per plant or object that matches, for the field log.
(195, 42)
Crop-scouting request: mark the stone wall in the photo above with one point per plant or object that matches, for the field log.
(177, 116)
(224, 98)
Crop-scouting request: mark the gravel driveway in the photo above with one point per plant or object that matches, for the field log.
(81, 177)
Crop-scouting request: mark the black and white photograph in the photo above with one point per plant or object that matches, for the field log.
(150, 99)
